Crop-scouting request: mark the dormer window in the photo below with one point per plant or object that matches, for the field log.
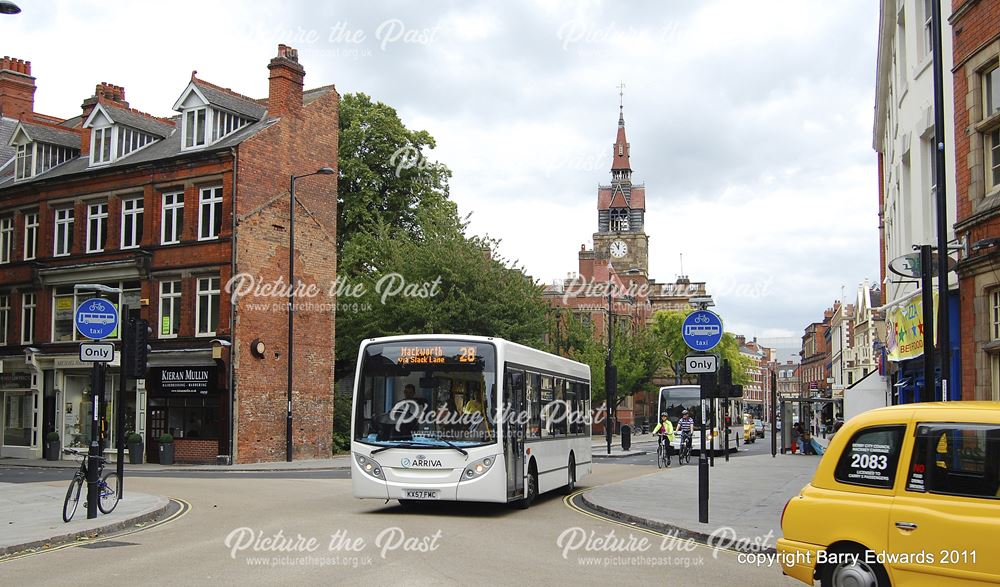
(100, 145)
(114, 138)
(226, 123)
(24, 166)
(198, 121)
(194, 127)
(209, 114)
(35, 158)
(111, 143)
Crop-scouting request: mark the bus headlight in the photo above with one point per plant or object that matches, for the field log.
(478, 468)
(370, 466)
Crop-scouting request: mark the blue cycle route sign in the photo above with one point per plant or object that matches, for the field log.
(702, 330)
(96, 318)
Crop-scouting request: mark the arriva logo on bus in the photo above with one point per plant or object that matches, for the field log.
(419, 461)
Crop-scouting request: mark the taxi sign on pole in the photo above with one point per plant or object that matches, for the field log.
(96, 318)
(702, 330)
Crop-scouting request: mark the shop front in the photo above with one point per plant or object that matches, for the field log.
(21, 413)
(188, 403)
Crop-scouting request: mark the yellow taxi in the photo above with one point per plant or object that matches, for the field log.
(749, 430)
(907, 495)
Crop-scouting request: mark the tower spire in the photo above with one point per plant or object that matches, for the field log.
(621, 169)
(621, 104)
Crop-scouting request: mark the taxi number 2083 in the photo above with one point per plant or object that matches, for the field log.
(869, 461)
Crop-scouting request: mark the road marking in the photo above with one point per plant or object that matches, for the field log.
(183, 509)
(568, 501)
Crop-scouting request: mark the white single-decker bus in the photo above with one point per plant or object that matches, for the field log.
(467, 418)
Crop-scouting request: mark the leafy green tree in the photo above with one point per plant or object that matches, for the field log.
(385, 176)
(405, 262)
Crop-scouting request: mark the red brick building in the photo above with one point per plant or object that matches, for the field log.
(815, 367)
(976, 29)
(169, 210)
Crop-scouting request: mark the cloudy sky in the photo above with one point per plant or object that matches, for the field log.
(750, 122)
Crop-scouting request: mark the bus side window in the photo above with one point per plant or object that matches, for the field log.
(573, 423)
(533, 398)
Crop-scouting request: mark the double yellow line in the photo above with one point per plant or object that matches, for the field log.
(182, 511)
(568, 501)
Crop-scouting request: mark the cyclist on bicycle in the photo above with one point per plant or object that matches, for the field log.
(665, 433)
(686, 426)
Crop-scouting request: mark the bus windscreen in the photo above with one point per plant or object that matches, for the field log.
(434, 393)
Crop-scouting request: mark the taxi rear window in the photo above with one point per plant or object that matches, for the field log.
(871, 456)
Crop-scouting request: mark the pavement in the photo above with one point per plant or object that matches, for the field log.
(31, 516)
(341, 462)
(31, 513)
(746, 498)
(599, 446)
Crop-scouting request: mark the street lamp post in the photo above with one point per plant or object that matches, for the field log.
(610, 373)
(291, 296)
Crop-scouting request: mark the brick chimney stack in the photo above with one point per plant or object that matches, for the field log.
(17, 89)
(285, 82)
(107, 94)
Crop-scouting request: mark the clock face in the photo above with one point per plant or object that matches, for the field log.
(619, 249)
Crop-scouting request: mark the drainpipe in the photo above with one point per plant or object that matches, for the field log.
(232, 319)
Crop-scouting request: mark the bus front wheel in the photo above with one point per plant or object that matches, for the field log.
(530, 489)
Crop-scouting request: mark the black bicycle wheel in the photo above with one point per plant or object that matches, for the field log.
(659, 456)
(109, 493)
(72, 498)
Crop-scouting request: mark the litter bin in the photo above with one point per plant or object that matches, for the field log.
(626, 437)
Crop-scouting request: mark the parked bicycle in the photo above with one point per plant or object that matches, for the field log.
(109, 487)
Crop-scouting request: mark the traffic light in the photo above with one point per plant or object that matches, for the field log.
(709, 385)
(725, 376)
(726, 387)
(137, 347)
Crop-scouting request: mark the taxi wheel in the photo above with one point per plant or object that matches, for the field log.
(853, 574)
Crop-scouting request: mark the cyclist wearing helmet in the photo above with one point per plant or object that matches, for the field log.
(686, 426)
(665, 434)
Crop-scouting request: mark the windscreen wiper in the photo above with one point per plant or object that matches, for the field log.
(403, 445)
(459, 449)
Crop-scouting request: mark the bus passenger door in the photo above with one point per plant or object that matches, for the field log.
(514, 433)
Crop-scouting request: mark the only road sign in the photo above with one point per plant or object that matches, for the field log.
(701, 364)
(702, 330)
(96, 318)
(97, 352)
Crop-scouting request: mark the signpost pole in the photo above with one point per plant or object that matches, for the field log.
(94, 455)
(705, 383)
(774, 406)
(124, 369)
(927, 293)
(95, 318)
(726, 418)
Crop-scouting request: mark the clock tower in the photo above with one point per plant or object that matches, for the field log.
(621, 213)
